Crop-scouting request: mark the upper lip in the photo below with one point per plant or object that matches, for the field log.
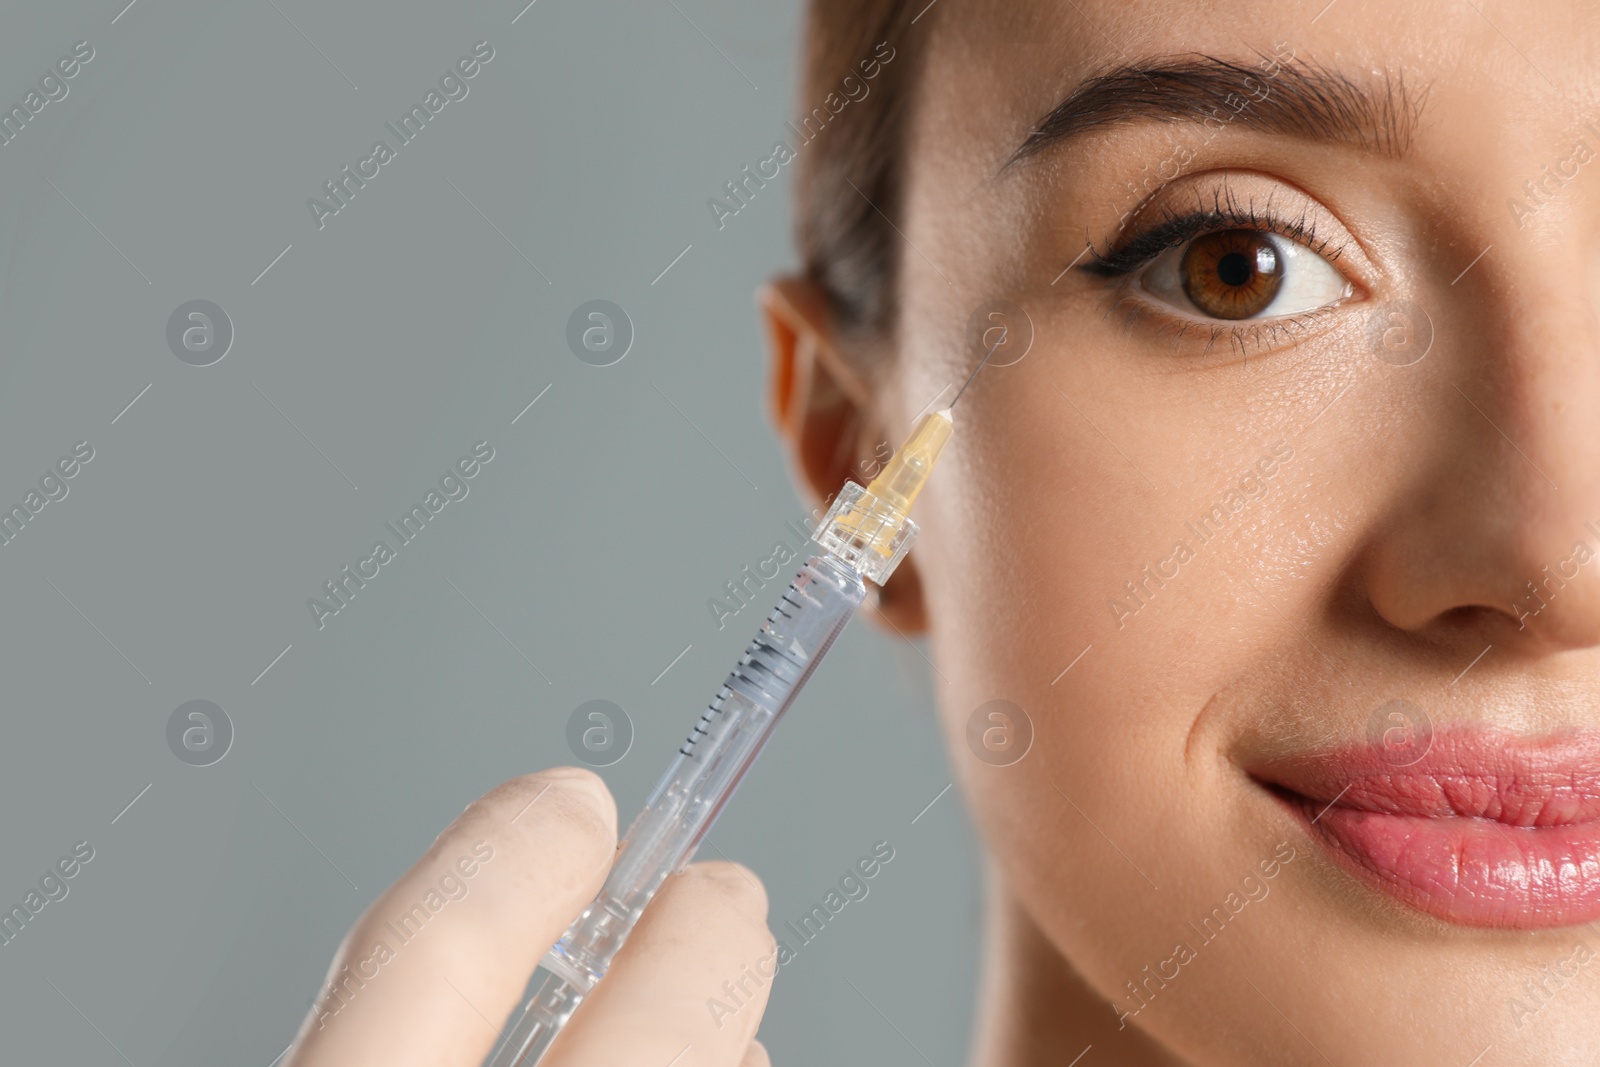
(1476, 773)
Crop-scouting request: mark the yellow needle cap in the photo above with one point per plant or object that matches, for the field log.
(908, 471)
(871, 528)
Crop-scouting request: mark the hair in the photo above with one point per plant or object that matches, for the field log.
(849, 180)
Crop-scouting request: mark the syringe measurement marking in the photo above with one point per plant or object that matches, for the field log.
(757, 643)
(752, 661)
(704, 721)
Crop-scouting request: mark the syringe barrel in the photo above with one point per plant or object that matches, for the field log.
(698, 783)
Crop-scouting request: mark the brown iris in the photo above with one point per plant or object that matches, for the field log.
(1233, 274)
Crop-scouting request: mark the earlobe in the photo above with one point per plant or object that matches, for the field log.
(822, 407)
(900, 605)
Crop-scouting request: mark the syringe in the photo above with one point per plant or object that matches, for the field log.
(863, 537)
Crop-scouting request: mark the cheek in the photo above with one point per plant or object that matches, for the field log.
(1033, 524)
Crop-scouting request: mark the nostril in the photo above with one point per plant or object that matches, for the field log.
(1471, 617)
(1549, 624)
(1471, 624)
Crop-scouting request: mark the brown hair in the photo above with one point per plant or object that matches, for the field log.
(848, 182)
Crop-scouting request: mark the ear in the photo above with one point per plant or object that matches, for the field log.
(825, 413)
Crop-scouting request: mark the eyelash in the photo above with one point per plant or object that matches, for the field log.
(1173, 227)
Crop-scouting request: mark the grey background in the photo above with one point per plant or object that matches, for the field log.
(391, 340)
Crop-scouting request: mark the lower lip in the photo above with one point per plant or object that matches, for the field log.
(1469, 871)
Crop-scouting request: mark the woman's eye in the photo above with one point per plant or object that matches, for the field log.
(1244, 274)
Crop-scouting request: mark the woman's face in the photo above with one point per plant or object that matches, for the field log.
(1284, 535)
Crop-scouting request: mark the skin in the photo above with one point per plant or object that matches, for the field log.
(1377, 563)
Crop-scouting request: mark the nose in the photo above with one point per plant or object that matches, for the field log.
(1498, 535)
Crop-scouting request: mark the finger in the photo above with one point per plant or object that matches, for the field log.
(433, 968)
(755, 1056)
(689, 986)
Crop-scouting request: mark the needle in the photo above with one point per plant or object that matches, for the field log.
(986, 356)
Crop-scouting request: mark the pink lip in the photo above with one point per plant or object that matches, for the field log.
(1487, 829)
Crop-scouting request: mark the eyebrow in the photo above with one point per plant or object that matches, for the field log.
(1291, 98)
